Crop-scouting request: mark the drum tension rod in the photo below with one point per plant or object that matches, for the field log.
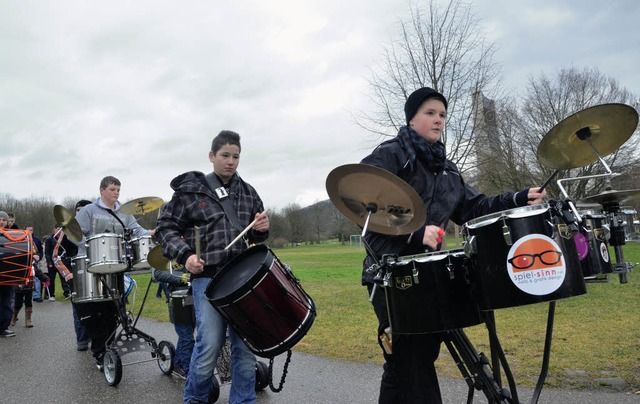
(414, 272)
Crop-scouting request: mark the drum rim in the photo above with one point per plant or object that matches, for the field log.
(429, 256)
(515, 213)
(107, 235)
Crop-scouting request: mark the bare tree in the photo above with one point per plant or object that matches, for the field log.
(295, 224)
(440, 47)
(552, 99)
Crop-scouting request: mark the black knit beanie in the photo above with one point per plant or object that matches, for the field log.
(418, 97)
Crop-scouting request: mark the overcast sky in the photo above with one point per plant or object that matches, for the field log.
(138, 89)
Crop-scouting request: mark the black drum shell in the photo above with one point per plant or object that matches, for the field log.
(440, 301)
(492, 287)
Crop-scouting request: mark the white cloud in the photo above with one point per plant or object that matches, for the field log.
(138, 89)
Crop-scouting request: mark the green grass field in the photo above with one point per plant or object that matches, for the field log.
(596, 335)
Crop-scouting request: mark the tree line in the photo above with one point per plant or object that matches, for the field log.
(290, 225)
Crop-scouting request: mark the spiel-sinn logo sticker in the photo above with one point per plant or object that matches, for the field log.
(536, 265)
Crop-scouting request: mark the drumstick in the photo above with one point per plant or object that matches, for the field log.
(241, 234)
(197, 237)
(547, 181)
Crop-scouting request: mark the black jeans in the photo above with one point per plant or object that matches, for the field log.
(53, 272)
(409, 374)
(100, 320)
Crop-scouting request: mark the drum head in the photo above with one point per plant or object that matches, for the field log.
(240, 275)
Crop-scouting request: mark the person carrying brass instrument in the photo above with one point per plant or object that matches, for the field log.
(197, 206)
(418, 156)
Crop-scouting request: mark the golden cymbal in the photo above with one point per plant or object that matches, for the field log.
(159, 261)
(68, 223)
(357, 189)
(612, 197)
(607, 127)
(140, 206)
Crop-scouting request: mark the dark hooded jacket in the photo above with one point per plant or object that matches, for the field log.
(195, 204)
(444, 193)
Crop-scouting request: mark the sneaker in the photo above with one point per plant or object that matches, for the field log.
(67, 295)
(52, 298)
(39, 300)
(83, 347)
(7, 334)
(100, 362)
(179, 372)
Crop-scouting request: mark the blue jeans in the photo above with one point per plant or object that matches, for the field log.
(184, 348)
(37, 288)
(7, 295)
(212, 328)
(81, 334)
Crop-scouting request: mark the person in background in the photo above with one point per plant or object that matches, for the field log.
(24, 292)
(177, 280)
(6, 294)
(82, 337)
(53, 272)
(12, 221)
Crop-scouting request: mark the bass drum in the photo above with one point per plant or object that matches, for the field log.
(430, 293)
(16, 255)
(263, 301)
(522, 256)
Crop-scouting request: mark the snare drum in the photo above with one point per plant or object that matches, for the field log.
(430, 293)
(263, 301)
(522, 256)
(106, 254)
(88, 288)
(182, 312)
(16, 256)
(591, 243)
(140, 248)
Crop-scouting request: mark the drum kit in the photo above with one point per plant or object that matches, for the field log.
(102, 275)
(533, 254)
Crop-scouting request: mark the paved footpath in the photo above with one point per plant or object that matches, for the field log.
(41, 365)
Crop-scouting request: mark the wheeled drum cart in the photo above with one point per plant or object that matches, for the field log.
(128, 339)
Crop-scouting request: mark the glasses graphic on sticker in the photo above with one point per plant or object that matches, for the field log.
(524, 261)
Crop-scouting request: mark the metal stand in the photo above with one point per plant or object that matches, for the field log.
(617, 240)
(130, 339)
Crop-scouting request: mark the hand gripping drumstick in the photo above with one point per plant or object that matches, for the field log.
(241, 234)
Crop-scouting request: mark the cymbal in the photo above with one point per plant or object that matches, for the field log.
(356, 189)
(608, 126)
(143, 205)
(612, 197)
(159, 261)
(68, 223)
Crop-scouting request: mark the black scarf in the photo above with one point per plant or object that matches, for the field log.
(432, 155)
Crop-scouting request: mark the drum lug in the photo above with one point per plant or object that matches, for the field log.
(470, 248)
(506, 233)
(385, 279)
(414, 274)
(450, 269)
